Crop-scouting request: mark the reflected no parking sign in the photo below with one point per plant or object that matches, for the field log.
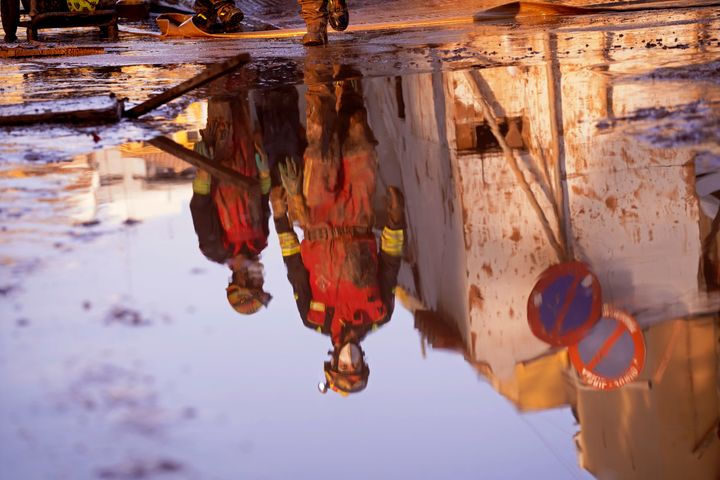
(612, 354)
(564, 304)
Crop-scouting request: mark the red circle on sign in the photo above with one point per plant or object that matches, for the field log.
(597, 350)
(565, 304)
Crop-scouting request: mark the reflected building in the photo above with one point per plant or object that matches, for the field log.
(92, 194)
(131, 182)
(141, 181)
(510, 170)
(665, 424)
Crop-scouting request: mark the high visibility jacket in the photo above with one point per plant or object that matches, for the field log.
(343, 277)
(343, 282)
(224, 232)
(343, 285)
(242, 219)
(227, 219)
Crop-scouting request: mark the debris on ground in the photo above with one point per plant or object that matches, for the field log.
(27, 52)
(89, 109)
(140, 469)
(126, 316)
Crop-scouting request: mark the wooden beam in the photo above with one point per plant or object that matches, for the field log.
(210, 74)
(96, 109)
(24, 52)
(218, 171)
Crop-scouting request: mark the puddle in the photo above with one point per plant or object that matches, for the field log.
(159, 321)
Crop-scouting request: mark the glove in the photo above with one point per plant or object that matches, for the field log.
(278, 201)
(291, 177)
(209, 138)
(203, 149)
(395, 208)
(201, 182)
(263, 170)
(261, 160)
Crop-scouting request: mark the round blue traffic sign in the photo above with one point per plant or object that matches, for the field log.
(564, 304)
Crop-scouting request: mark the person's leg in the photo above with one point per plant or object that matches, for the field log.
(282, 134)
(359, 161)
(322, 155)
(315, 14)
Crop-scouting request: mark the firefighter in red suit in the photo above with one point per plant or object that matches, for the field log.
(232, 223)
(344, 287)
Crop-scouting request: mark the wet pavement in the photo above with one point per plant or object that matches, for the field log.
(161, 322)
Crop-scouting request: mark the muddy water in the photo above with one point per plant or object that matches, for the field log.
(121, 357)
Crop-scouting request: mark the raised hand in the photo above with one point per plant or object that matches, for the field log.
(291, 176)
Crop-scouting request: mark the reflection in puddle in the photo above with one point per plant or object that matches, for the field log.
(502, 172)
(344, 284)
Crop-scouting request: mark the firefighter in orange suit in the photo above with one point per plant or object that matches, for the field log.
(232, 223)
(343, 286)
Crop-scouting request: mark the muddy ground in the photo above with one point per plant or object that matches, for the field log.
(139, 66)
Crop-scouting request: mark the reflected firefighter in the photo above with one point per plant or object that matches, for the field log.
(232, 223)
(707, 187)
(343, 286)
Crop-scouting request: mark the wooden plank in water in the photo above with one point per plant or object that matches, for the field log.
(108, 109)
(206, 76)
(216, 170)
(95, 109)
(25, 52)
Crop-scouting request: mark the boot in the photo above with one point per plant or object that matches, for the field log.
(219, 16)
(315, 14)
(229, 16)
(339, 15)
(315, 37)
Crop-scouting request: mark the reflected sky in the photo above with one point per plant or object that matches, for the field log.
(221, 394)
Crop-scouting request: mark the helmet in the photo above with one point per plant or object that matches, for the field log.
(246, 301)
(345, 382)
